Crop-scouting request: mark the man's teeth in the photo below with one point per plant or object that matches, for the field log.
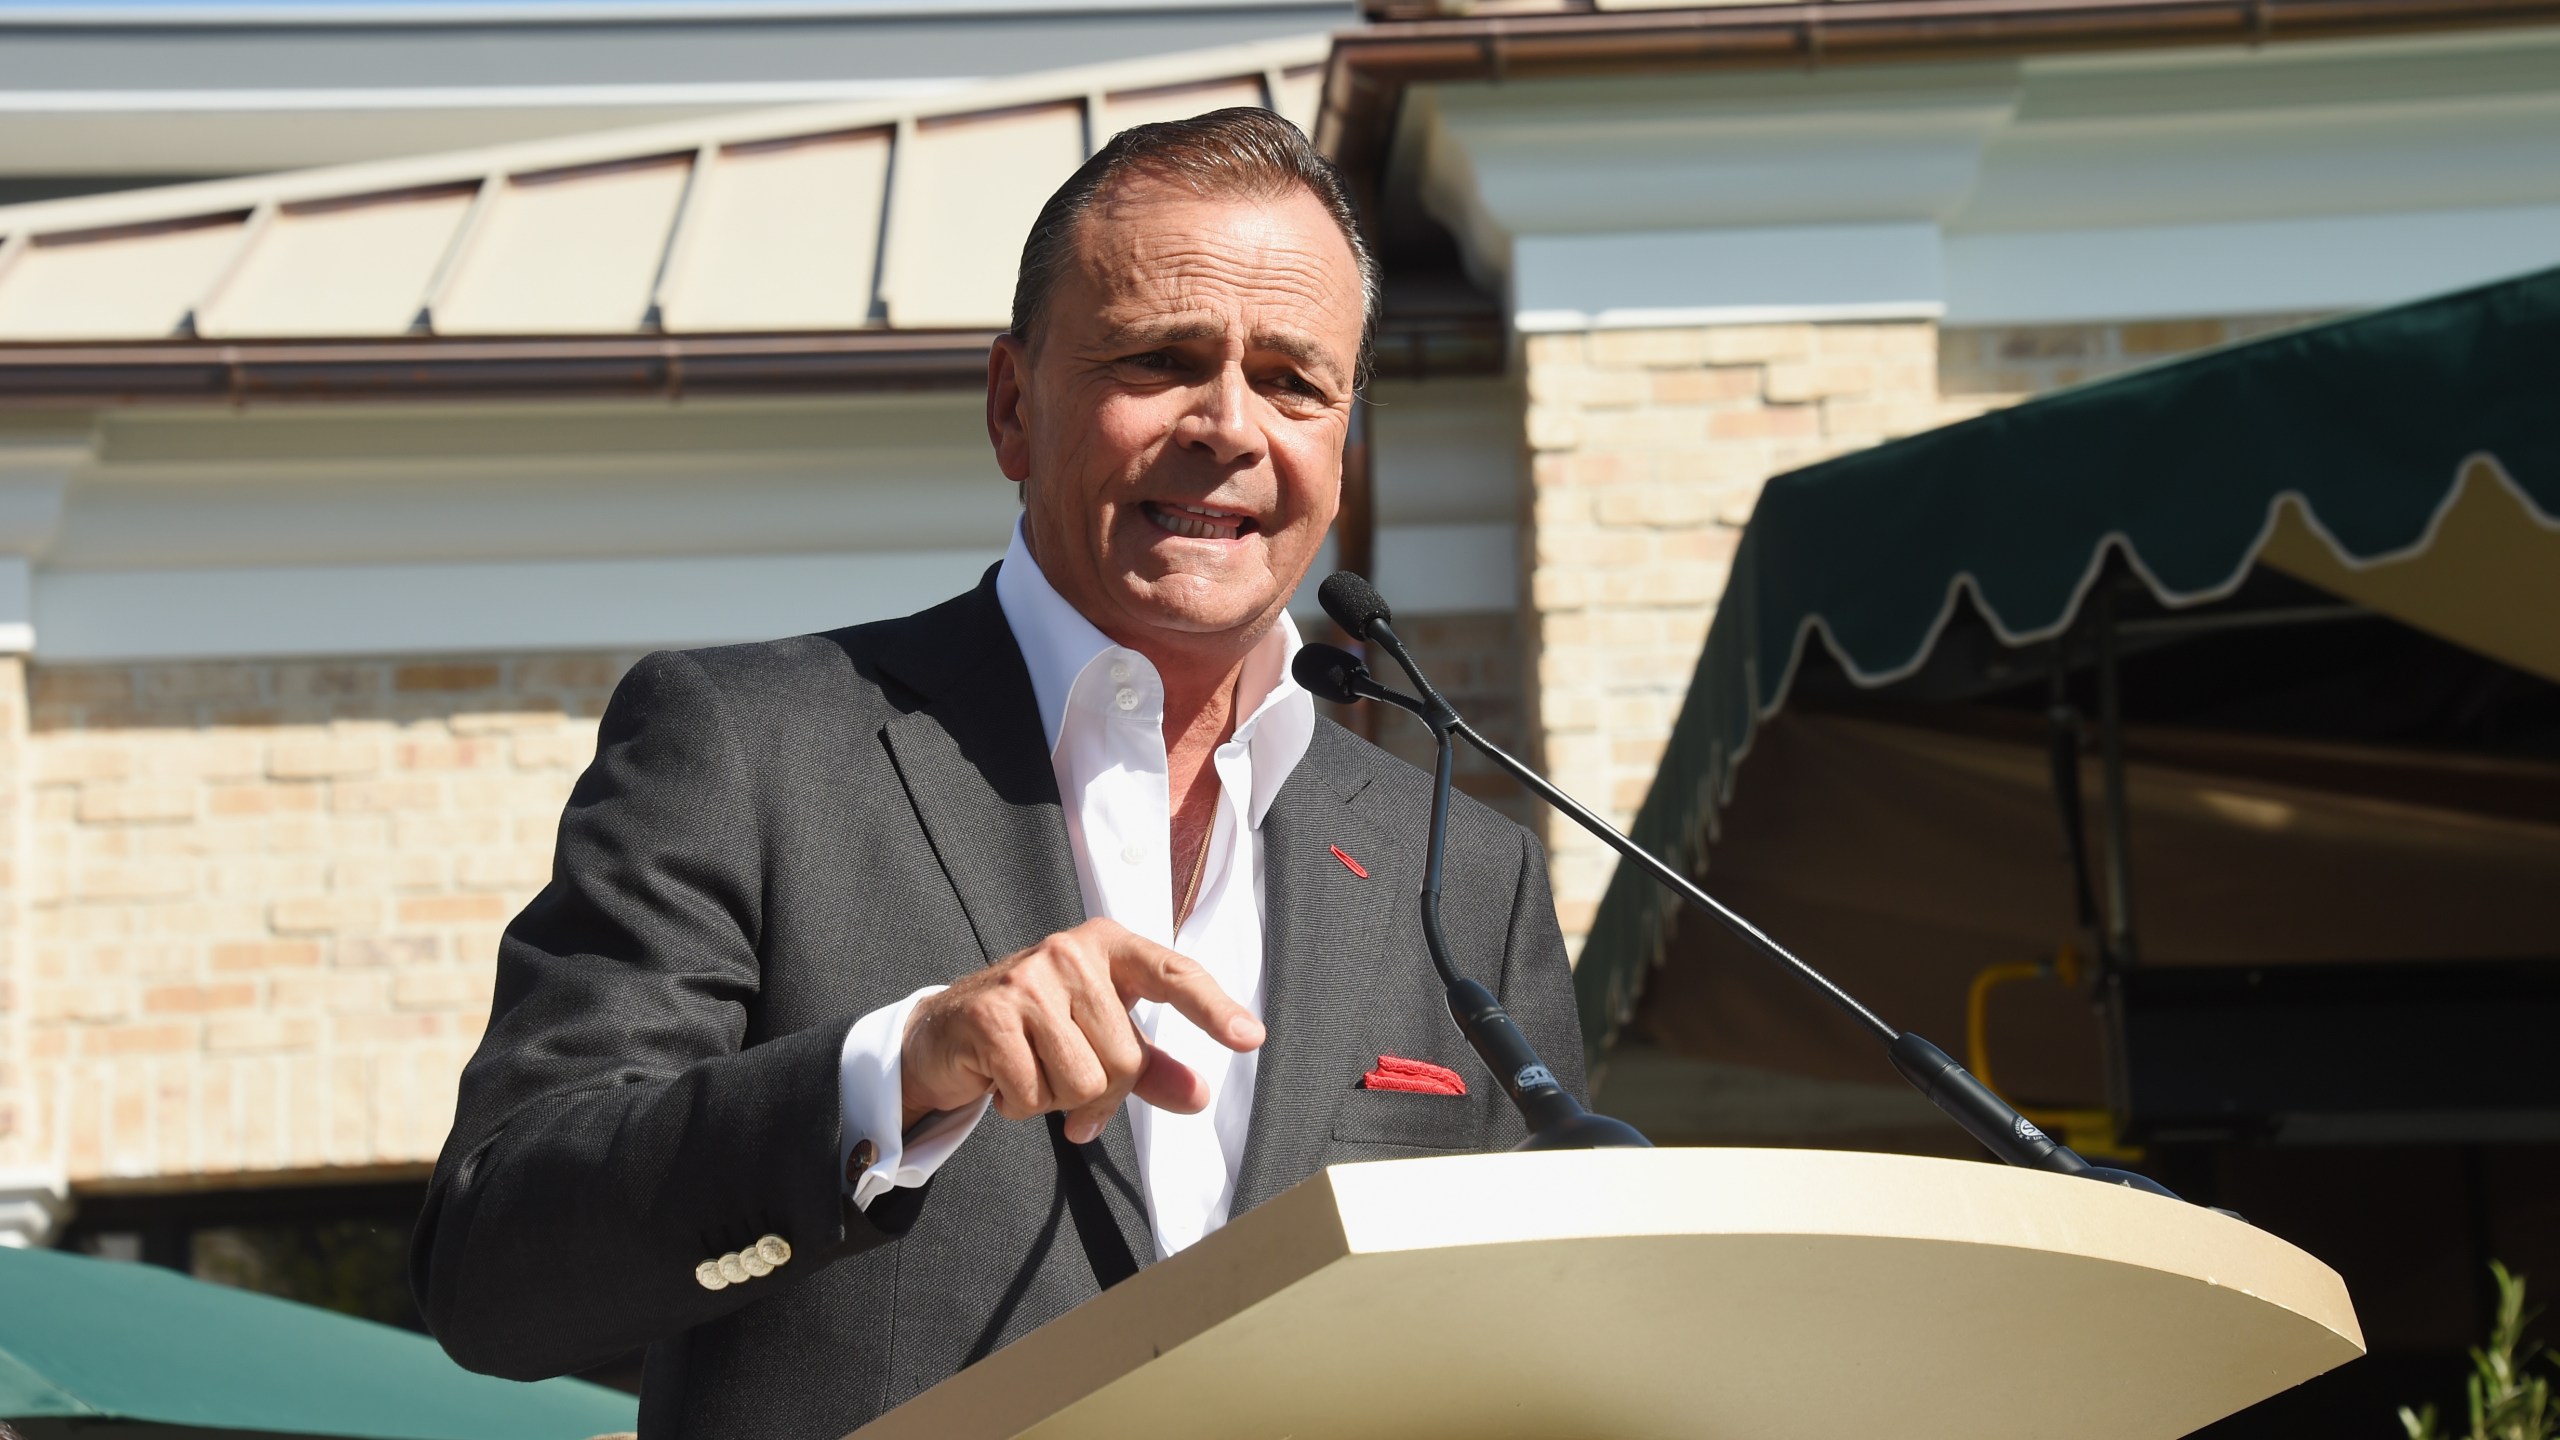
(1194, 523)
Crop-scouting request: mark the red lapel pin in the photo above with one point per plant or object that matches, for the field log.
(1348, 863)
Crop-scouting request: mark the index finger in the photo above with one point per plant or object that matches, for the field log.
(1141, 969)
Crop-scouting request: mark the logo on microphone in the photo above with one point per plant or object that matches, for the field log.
(2027, 1130)
(1532, 1076)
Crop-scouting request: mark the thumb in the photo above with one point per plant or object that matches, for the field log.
(1168, 1084)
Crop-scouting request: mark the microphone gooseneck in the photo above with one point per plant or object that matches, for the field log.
(1356, 606)
(1555, 1119)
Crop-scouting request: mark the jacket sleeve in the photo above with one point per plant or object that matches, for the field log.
(614, 1129)
(1537, 980)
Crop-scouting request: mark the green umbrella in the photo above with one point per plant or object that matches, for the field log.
(135, 1350)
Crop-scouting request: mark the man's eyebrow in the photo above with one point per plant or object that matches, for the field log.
(1306, 352)
(1143, 335)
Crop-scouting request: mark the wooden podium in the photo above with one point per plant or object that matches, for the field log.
(1634, 1294)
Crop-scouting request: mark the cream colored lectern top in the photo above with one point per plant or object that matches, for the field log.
(1633, 1294)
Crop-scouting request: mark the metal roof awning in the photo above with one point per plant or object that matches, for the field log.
(2407, 461)
(899, 215)
(838, 245)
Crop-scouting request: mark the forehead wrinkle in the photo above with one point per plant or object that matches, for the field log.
(1263, 255)
(1139, 312)
(1170, 284)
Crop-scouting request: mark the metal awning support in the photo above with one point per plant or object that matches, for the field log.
(2120, 951)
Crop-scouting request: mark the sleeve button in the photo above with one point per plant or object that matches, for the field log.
(774, 1249)
(733, 1269)
(708, 1273)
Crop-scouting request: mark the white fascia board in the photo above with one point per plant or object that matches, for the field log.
(706, 95)
(96, 616)
(1458, 569)
(1748, 275)
(621, 604)
(90, 14)
(17, 605)
(1699, 151)
(2310, 265)
(1503, 162)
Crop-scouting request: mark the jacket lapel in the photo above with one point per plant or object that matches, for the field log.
(1325, 935)
(976, 769)
(975, 765)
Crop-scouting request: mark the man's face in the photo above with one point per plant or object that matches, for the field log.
(1177, 424)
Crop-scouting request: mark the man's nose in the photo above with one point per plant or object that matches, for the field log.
(1221, 419)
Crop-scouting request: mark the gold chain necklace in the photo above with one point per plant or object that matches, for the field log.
(1199, 868)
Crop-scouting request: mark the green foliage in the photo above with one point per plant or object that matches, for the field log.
(2506, 1402)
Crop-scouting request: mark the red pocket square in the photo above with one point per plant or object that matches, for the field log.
(1419, 1077)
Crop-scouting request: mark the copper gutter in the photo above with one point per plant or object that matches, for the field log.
(198, 372)
(52, 377)
(1365, 79)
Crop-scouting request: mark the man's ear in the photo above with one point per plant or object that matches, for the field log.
(1009, 406)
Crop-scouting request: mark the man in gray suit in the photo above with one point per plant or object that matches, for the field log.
(1070, 848)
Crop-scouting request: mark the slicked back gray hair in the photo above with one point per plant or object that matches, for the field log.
(1247, 152)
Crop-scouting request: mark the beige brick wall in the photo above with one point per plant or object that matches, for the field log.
(260, 902)
(1475, 661)
(14, 834)
(248, 909)
(1648, 450)
(2010, 362)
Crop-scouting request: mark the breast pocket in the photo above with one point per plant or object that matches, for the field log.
(1409, 1121)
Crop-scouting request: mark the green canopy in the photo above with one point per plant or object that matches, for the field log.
(2408, 460)
(99, 1341)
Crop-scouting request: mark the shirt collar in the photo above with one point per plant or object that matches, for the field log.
(1059, 644)
(1057, 641)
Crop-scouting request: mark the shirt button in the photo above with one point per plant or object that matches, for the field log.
(1127, 699)
(1119, 670)
(1132, 854)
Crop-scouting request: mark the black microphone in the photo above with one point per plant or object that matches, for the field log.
(1357, 607)
(1353, 602)
(1556, 1120)
(1334, 674)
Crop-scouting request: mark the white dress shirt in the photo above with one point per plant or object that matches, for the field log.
(1102, 710)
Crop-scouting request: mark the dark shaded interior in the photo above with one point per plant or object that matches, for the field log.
(2322, 802)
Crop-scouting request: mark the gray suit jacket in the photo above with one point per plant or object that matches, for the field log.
(775, 839)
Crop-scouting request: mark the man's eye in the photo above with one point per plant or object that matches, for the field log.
(1149, 360)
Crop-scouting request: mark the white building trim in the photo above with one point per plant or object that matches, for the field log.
(197, 613)
(586, 604)
(2131, 185)
(2328, 263)
(1740, 275)
(34, 1203)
